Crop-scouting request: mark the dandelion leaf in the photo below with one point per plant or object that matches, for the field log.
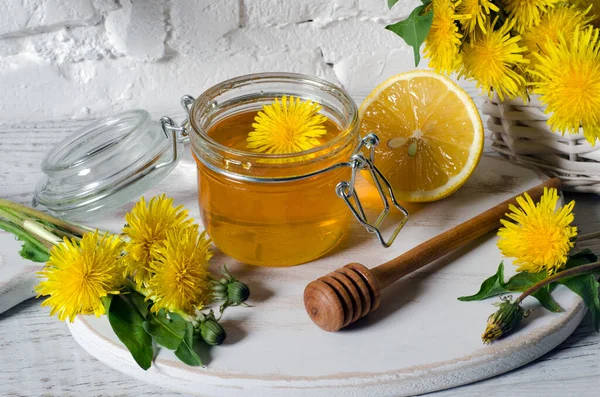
(490, 287)
(584, 285)
(414, 29)
(581, 258)
(185, 352)
(31, 249)
(127, 323)
(167, 331)
(521, 281)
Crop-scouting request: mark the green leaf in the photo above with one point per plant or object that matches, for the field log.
(490, 287)
(185, 352)
(106, 301)
(127, 322)
(140, 303)
(581, 258)
(33, 253)
(586, 286)
(31, 249)
(546, 300)
(392, 3)
(522, 281)
(167, 332)
(414, 29)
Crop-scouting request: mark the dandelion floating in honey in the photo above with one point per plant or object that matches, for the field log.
(287, 126)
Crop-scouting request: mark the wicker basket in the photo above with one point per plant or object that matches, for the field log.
(520, 133)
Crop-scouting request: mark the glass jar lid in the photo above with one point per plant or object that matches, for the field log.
(106, 164)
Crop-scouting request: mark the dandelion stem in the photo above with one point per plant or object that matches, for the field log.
(61, 233)
(184, 315)
(589, 236)
(40, 231)
(19, 219)
(10, 216)
(141, 290)
(566, 273)
(76, 230)
(24, 235)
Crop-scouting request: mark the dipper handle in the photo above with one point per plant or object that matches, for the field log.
(351, 292)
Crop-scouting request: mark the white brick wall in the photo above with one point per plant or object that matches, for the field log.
(80, 58)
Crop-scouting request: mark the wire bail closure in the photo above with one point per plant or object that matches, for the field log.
(346, 191)
(177, 133)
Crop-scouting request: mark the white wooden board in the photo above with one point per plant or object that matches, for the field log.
(17, 275)
(421, 339)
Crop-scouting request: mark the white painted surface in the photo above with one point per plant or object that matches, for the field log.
(40, 357)
(17, 275)
(399, 350)
(73, 58)
(277, 299)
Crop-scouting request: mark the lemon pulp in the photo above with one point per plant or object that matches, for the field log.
(431, 134)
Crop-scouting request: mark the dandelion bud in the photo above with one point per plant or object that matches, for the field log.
(237, 292)
(212, 332)
(507, 317)
(229, 290)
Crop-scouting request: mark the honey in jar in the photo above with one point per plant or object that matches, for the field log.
(271, 209)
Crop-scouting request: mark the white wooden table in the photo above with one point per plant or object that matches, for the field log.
(39, 356)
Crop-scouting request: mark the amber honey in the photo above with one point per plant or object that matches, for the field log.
(273, 223)
(272, 209)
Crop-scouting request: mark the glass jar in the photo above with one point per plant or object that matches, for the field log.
(278, 209)
(262, 209)
(104, 165)
(254, 206)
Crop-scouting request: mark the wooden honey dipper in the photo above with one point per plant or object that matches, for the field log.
(353, 291)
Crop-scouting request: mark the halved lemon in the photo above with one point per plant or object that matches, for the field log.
(430, 132)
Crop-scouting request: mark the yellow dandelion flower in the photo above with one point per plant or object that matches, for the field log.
(147, 227)
(494, 60)
(568, 82)
(527, 12)
(181, 278)
(561, 19)
(542, 236)
(475, 13)
(77, 276)
(287, 126)
(442, 44)
(593, 6)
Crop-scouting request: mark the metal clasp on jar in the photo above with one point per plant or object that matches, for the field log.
(177, 133)
(345, 189)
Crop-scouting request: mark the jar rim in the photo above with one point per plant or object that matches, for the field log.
(130, 121)
(105, 164)
(287, 158)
